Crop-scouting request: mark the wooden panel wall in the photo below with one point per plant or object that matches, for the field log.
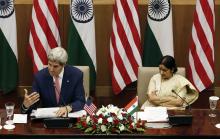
(182, 24)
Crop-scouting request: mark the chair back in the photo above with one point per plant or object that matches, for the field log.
(144, 76)
(85, 70)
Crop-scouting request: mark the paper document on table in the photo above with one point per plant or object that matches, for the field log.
(77, 114)
(154, 114)
(46, 112)
(51, 113)
(20, 118)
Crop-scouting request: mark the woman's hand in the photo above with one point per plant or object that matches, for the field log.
(152, 95)
(173, 102)
(159, 100)
(30, 99)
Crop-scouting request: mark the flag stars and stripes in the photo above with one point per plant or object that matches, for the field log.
(90, 107)
(201, 52)
(44, 31)
(124, 44)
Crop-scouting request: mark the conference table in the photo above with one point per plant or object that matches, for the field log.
(202, 126)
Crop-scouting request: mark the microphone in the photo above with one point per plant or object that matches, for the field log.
(180, 117)
(62, 100)
(188, 105)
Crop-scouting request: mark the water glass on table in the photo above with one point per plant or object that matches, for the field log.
(213, 103)
(9, 106)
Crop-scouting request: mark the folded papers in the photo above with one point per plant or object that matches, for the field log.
(46, 112)
(153, 114)
(51, 113)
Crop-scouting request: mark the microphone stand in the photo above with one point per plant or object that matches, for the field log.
(181, 118)
(184, 100)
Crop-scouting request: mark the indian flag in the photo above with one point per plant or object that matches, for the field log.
(81, 39)
(159, 32)
(132, 106)
(8, 47)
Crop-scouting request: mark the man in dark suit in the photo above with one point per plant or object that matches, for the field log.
(58, 85)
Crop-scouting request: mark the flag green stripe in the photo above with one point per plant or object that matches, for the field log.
(134, 110)
(78, 55)
(9, 66)
(151, 50)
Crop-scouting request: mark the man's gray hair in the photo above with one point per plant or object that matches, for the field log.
(58, 54)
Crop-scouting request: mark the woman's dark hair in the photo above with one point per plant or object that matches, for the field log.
(169, 62)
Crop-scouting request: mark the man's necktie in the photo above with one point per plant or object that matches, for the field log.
(57, 89)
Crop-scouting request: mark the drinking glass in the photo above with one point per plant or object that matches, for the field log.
(213, 103)
(9, 106)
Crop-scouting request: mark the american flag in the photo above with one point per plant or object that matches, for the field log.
(124, 44)
(201, 53)
(44, 33)
(90, 107)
